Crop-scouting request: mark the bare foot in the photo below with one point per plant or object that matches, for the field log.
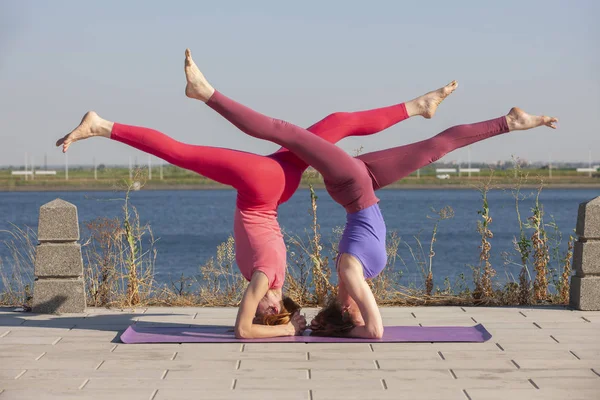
(519, 120)
(91, 125)
(427, 104)
(197, 86)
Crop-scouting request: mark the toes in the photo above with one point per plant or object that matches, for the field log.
(63, 140)
(551, 122)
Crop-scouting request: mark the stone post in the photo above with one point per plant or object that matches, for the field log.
(59, 286)
(585, 285)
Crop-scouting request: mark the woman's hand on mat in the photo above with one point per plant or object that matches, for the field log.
(298, 322)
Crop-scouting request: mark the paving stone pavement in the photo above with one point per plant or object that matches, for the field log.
(535, 353)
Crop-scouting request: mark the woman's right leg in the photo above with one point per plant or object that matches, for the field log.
(347, 180)
(230, 167)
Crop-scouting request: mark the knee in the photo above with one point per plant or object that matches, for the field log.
(339, 118)
(339, 115)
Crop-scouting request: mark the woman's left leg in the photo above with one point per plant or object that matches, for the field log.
(388, 166)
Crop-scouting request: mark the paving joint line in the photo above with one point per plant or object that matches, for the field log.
(23, 373)
(533, 384)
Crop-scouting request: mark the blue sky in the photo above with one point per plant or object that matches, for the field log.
(297, 61)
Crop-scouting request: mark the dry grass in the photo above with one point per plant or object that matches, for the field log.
(310, 281)
(17, 272)
(484, 273)
(539, 241)
(119, 271)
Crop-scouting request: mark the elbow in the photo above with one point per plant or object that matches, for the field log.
(242, 333)
(375, 332)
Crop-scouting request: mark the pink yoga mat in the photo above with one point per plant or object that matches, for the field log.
(221, 334)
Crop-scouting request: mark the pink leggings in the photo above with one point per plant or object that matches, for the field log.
(262, 182)
(351, 181)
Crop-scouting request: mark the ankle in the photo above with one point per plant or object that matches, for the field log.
(413, 108)
(510, 122)
(207, 93)
(102, 127)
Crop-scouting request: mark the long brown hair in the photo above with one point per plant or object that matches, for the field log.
(332, 320)
(288, 308)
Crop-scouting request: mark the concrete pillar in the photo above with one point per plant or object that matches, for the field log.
(585, 285)
(59, 286)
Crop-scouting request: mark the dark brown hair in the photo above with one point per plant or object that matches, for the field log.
(332, 320)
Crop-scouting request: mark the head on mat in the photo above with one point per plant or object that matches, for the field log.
(271, 311)
(332, 320)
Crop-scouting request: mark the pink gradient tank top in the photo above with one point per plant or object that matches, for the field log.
(259, 245)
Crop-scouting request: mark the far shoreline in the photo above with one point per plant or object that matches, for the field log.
(177, 187)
